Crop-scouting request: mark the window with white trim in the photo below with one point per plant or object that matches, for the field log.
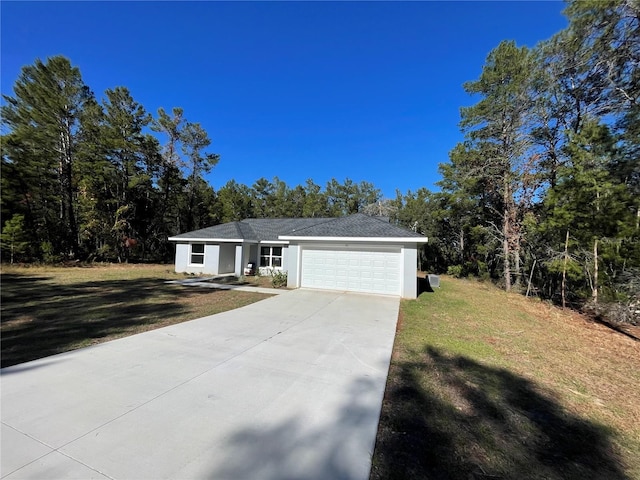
(197, 254)
(271, 257)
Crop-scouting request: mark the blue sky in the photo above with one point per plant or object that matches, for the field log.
(366, 90)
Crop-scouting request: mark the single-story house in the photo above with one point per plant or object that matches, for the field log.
(356, 253)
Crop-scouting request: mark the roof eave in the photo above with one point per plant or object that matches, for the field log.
(204, 239)
(357, 239)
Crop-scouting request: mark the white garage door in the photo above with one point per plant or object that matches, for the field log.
(361, 270)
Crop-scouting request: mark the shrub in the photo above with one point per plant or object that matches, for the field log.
(455, 271)
(14, 237)
(483, 272)
(48, 255)
(278, 279)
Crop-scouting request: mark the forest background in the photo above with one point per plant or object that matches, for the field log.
(542, 196)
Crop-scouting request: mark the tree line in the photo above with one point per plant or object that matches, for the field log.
(104, 180)
(542, 196)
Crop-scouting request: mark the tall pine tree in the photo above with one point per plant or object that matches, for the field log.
(41, 148)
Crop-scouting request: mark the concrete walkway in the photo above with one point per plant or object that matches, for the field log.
(286, 388)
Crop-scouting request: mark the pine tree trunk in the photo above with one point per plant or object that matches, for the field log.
(531, 277)
(516, 266)
(507, 265)
(594, 293)
(564, 270)
(66, 170)
(505, 243)
(507, 225)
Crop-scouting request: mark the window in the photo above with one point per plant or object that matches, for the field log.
(197, 253)
(271, 257)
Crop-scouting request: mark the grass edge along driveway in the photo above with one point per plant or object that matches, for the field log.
(51, 310)
(486, 384)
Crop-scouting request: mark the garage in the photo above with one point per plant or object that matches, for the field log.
(361, 269)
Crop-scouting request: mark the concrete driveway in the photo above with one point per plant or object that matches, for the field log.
(286, 388)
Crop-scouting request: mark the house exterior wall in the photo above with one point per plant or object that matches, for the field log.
(285, 258)
(409, 271)
(293, 266)
(253, 255)
(183, 265)
(211, 255)
(182, 257)
(242, 258)
(227, 258)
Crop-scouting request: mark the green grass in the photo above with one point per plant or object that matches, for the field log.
(485, 384)
(50, 310)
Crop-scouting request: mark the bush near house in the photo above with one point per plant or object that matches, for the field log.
(278, 279)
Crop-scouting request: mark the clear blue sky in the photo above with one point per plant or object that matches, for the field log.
(365, 90)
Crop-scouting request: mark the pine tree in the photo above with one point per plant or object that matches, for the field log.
(498, 148)
(196, 163)
(43, 120)
(14, 237)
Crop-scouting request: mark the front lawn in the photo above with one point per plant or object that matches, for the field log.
(485, 385)
(49, 310)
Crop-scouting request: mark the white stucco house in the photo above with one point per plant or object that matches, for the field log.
(354, 253)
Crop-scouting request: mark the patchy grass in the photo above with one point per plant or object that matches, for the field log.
(264, 281)
(485, 384)
(49, 310)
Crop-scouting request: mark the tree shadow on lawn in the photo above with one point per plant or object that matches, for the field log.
(40, 318)
(474, 422)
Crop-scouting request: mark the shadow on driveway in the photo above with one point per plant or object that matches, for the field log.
(291, 450)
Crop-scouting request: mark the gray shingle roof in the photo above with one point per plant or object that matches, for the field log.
(266, 229)
(225, 231)
(357, 225)
(272, 228)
